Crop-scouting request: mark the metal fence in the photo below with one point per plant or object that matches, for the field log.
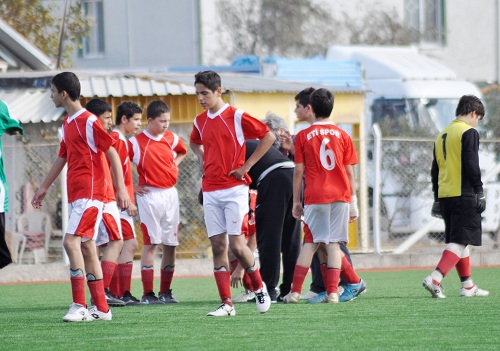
(405, 194)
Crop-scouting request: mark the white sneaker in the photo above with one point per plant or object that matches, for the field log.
(76, 313)
(262, 299)
(309, 295)
(247, 295)
(96, 315)
(475, 291)
(332, 298)
(292, 297)
(223, 310)
(437, 291)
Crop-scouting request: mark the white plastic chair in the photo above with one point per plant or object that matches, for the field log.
(33, 226)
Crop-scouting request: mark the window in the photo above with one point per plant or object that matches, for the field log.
(93, 44)
(427, 18)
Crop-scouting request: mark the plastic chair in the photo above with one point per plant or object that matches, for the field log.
(36, 227)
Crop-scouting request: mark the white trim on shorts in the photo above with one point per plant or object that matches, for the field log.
(76, 210)
(328, 223)
(225, 210)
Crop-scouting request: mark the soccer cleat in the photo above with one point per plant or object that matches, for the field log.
(352, 291)
(292, 297)
(332, 298)
(437, 291)
(223, 310)
(112, 300)
(246, 296)
(319, 298)
(151, 299)
(130, 300)
(76, 313)
(96, 315)
(309, 295)
(474, 291)
(167, 297)
(262, 299)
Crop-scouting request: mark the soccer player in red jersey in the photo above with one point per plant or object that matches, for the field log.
(84, 145)
(325, 155)
(218, 139)
(157, 153)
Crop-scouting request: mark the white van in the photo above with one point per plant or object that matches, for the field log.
(404, 85)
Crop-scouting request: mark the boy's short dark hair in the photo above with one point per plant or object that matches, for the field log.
(210, 79)
(98, 106)
(127, 109)
(304, 96)
(156, 108)
(322, 103)
(468, 104)
(68, 82)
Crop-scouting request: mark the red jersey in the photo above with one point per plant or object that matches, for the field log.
(223, 136)
(83, 145)
(121, 146)
(325, 150)
(155, 158)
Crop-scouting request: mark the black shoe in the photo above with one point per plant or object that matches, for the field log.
(167, 297)
(151, 299)
(130, 300)
(112, 300)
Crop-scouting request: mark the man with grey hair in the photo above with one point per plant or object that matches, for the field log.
(278, 126)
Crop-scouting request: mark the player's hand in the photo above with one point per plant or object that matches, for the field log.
(37, 199)
(353, 209)
(481, 203)
(122, 199)
(237, 277)
(140, 190)
(297, 210)
(132, 210)
(436, 210)
(238, 173)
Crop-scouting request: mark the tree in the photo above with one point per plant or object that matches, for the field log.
(276, 27)
(35, 20)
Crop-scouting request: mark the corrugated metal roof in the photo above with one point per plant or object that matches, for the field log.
(34, 104)
(336, 74)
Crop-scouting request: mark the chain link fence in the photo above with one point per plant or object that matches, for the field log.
(406, 195)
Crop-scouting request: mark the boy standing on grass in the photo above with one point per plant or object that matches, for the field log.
(218, 139)
(458, 196)
(323, 152)
(84, 143)
(157, 153)
(128, 122)
(109, 237)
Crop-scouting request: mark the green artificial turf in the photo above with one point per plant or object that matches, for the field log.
(396, 313)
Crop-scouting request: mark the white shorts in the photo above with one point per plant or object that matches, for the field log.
(226, 211)
(84, 218)
(326, 223)
(110, 226)
(128, 225)
(159, 214)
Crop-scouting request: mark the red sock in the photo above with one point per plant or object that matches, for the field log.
(96, 288)
(124, 277)
(255, 279)
(332, 282)
(114, 284)
(247, 282)
(223, 281)
(108, 269)
(324, 273)
(463, 268)
(299, 275)
(78, 290)
(348, 272)
(147, 277)
(166, 280)
(447, 262)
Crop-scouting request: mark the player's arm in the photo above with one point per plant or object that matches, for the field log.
(264, 144)
(298, 174)
(353, 206)
(199, 151)
(54, 172)
(179, 158)
(122, 198)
